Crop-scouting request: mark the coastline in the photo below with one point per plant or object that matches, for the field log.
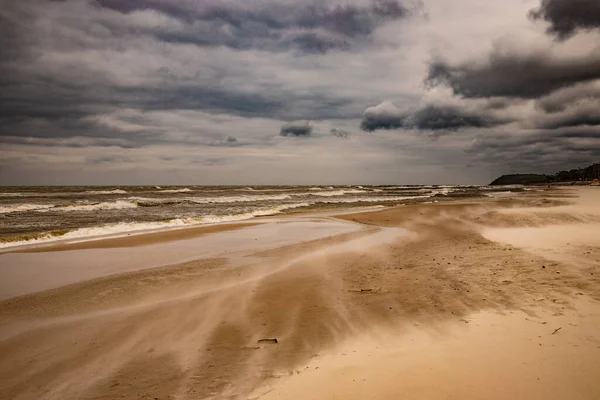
(164, 234)
(42, 216)
(347, 297)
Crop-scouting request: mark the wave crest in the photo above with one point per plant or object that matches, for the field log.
(24, 207)
(130, 227)
(116, 191)
(184, 190)
(335, 193)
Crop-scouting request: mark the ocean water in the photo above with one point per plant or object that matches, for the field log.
(41, 214)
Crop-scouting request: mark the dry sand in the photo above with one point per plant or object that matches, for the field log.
(488, 299)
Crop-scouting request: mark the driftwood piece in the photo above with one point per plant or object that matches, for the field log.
(267, 340)
(537, 322)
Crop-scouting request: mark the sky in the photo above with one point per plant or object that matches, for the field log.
(115, 92)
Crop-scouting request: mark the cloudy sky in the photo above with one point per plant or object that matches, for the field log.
(296, 91)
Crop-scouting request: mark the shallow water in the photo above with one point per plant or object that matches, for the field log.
(40, 214)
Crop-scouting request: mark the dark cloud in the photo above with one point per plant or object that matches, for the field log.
(44, 103)
(111, 160)
(312, 42)
(578, 105)
(430, 117)
(296, 128)
(539, 151)
(501, 103)
(383, 116)
(73, 142)
(568, 16)
(340, 133)
(59, 71)
(506, 73)
(571, 97)
(578, 116)
(311, 27)
(435, 118)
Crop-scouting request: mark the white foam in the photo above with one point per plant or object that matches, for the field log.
(257, 213)
(333, 193)
(149, 201)
(113, 205)
(400, 187)
(237, 199)
(372, 199)
(499, 194)
(24, 207)
(15, 194)
(444, 190)
(184, 190)
(116, 191)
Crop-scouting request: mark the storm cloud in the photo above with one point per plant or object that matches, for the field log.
(264, 89)
(274, 25)
(296, 128)
(538, 151)
(383, 116)
(71, 70)
(430, 117)
(570, 97)
(509, 73)
(436, 118)
(531, 102)
(566, 17)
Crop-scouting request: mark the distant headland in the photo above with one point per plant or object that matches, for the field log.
(589, 174)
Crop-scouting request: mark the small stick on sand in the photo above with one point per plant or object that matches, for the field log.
(556, 330)
(537, 322)
(267, 341)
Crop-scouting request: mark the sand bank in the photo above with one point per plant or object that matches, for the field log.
(424, 301)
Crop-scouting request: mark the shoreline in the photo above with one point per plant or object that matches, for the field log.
(460, 299)
(168, 233)
(60, 229)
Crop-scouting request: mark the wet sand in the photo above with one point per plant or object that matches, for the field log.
(497, 298)
(131, 240)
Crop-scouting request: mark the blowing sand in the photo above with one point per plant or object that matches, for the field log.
(483, 299)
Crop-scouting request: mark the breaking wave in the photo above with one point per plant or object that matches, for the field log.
(116, 191)
(184, 190)
(13, 194)
(24, 207)
(114, 205)
(499, 194)
(153, 202)
(133, 202)
(115, 230)
(379, 199)
(334, 193)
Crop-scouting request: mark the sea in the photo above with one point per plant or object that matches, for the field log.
(30, 215)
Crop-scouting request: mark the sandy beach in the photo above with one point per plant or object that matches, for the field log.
(495, 298)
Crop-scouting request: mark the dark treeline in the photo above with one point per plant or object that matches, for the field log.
(575, 175)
